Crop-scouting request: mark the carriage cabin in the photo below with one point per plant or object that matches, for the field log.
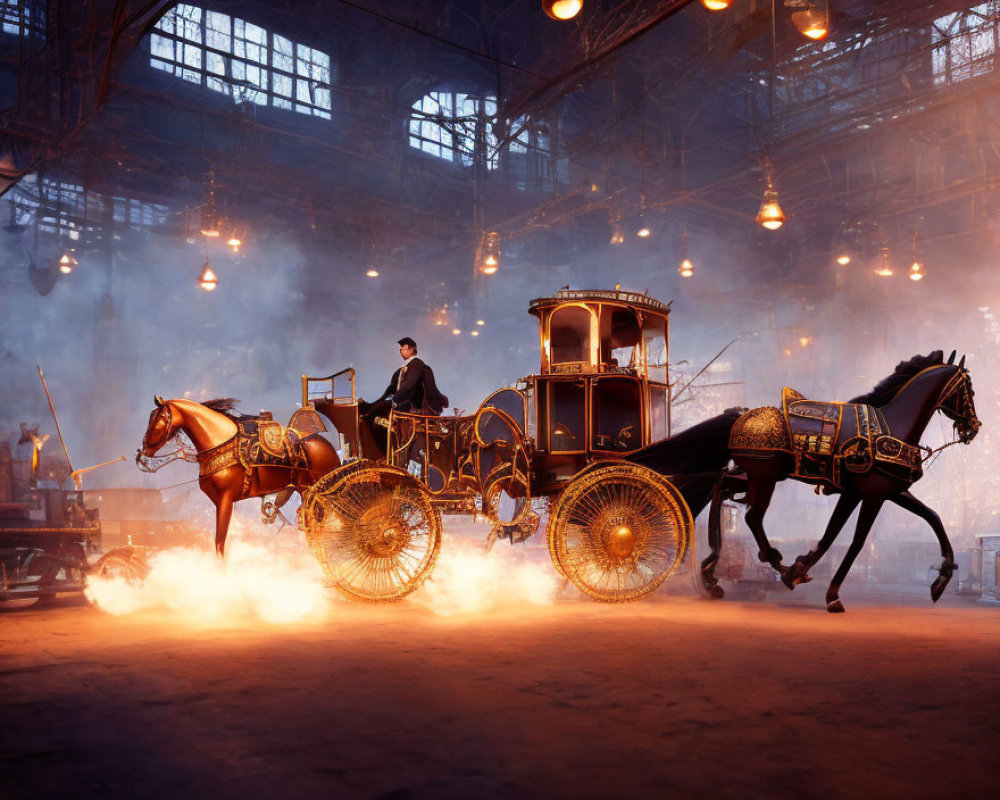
(602, 390)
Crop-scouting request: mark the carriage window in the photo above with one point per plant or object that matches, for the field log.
(617, 423)
(569, 335)
(567, 415)
(657, 412)
(654, 334)
(619, 337)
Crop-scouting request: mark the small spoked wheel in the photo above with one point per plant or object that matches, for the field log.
(375, 532)
(123, 564)
(619, 531)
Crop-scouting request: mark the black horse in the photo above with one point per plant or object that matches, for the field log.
(867, 451)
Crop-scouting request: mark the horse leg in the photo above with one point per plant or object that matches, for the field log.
(799, 571)
(759, 491)
(911, 503)
(866, 518)
(709, 583)
(223, 513)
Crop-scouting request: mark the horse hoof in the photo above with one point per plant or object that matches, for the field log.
(716, 593)
(835, 607)
(937, 588)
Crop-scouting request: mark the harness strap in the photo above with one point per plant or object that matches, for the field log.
(218, 458)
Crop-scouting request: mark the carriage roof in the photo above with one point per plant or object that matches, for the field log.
(636, 300)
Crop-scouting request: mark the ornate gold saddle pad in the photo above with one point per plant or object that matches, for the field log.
(262, 442)
(825, 438)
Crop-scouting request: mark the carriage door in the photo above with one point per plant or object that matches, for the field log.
(616, 416)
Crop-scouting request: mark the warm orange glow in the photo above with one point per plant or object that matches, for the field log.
(686, 269)
(916, 271)
(234, 243)
(490, 254)
(456, 331)
(770, 215)
(643, 232)
(473, 333)
(67, 262)
(617, 233)
(885, 269)
(804, 341)
(812, 23)
(480, 322)
(716, 5)
(562, 9)
(843, 259)
(208, 280)
(372, 273)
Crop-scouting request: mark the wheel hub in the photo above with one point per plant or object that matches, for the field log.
(622, 541)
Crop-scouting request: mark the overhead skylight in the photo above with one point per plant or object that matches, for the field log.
(241, 60)
(965, 43)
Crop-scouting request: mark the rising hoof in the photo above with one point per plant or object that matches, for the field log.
(938, 587)
(835, 606)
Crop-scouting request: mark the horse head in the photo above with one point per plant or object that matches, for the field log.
(159, 430)
(956, 402)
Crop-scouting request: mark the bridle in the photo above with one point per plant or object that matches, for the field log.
(156, 462)
(956, 402)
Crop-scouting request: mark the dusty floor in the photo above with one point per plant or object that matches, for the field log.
(673, 697)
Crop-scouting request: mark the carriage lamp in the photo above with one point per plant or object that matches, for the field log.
(67, 262)
(562, 9)
(917, 271)
(884, 269)
(208, 280)
(686, 269)
(716, 5)
(813, 18)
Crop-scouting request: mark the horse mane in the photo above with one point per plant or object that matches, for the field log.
(224, 405)
(886, 388)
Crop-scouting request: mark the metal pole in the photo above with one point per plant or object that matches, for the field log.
(54, 417)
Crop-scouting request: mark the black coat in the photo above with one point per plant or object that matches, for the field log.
(417, 392)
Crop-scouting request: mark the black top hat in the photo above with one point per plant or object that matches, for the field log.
(407, 341)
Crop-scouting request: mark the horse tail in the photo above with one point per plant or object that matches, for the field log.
(693, 459)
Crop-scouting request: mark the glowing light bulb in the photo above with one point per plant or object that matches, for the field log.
(208, 280)
(562, 9)
(372, 273)
(716, 5)
(456, 331)
(812, 23)
(884, 270)
(644, 232)
(804, 341)
(770, 215)
(480, 322)
(234, 243)
(916, 271)
(843, 259)
(473, 333)
(686, 269)
(67, 262)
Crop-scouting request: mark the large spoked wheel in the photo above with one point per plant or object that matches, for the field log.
(619, 531)
(374, 531)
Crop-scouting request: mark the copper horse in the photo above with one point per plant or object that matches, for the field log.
(902, 404)
(212, 429)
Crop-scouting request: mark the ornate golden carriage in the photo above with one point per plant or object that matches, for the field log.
(562, 437)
